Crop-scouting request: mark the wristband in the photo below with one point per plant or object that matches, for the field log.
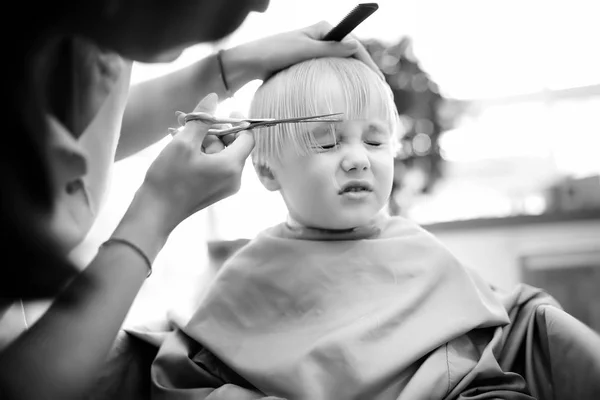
(134, 248)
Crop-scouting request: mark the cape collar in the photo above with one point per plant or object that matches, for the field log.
(293, 229)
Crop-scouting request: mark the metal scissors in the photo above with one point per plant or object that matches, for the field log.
(251, 123)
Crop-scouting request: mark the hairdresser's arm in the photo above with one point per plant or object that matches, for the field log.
(152, 104)
(59, 356)
(62, 354)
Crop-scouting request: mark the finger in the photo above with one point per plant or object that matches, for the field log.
(333, 49)
(196, 130)
(363, 55)
(228, 139)
(241, 147)
(318, 30)
(212, 145)
(180, 117)
(221, 126)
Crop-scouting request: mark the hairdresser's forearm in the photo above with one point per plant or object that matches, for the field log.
(152, 104)
(65, 351)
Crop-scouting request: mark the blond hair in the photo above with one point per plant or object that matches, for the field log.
(314, 87)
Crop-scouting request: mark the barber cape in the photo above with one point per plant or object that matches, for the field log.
(391, 315)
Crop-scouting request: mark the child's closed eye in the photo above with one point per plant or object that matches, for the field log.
(326, 146)
(376, 135)
(325, 138)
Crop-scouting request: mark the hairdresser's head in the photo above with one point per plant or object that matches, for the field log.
(34, 262)
(331, 176)
(153, 30)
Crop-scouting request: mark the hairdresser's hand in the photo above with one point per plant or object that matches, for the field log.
(215, 144)
(279, 51)
(194, 171)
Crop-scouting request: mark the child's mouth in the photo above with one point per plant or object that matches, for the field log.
(356, 189)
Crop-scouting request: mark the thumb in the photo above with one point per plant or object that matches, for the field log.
(196, 130)
(241, 148)
(338, 49)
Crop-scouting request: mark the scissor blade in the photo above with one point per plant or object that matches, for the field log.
(262, 121)
(302, 119)
(298, 120)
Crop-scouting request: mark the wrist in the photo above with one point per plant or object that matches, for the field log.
(240, 67)
(145, 223)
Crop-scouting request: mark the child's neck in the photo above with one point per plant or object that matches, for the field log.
(369, 230)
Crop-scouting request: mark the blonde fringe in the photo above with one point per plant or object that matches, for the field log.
(315, 87)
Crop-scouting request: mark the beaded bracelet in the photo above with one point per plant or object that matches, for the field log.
(222, 70)
(134, 248)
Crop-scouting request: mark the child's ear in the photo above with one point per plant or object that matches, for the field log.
(266, 177)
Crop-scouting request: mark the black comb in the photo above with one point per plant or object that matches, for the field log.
(351, 21)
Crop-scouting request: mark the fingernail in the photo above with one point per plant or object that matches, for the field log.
(208, 103)
(210, 97)
(351, 44)
(180, 117)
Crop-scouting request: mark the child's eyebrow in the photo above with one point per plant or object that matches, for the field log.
(377, 126)
(322, 131)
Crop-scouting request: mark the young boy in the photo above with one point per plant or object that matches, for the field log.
(341, 301)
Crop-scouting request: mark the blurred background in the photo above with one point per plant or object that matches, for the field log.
(500, 158)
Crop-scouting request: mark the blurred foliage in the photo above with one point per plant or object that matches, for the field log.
(424, 115)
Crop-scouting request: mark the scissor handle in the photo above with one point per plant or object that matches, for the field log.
(195, 116)
(227, 131)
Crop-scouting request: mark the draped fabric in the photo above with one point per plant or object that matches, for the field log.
(386, 315)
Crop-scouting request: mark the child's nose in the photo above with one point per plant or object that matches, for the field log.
(355, 158)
